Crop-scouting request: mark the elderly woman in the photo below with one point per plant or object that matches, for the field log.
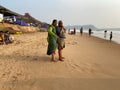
(61, 40)
(52, 38)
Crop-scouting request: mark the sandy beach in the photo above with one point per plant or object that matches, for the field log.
(90, 64)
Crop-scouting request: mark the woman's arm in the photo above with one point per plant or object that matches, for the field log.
(50, 31)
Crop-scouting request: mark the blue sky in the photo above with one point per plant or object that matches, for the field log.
(101, 13)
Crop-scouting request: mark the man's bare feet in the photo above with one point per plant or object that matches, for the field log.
(60, 59)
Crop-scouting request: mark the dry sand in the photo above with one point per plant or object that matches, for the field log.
(91, 64)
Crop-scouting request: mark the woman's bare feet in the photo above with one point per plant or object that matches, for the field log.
(60, 59)
(54, 60)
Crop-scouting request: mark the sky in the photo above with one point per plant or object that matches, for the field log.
(100, 13)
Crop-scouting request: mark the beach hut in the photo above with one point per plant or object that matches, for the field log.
(1, 17)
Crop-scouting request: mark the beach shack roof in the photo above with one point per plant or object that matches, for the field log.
(26, 18)
(7, 12)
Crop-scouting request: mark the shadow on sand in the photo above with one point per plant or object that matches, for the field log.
(41, 58)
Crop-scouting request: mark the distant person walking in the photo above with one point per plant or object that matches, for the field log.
(105, 33)
(90, 31)
(74, 31)
(111, 35)
(61, 40)
(81, 31)
(52, 40)
(69, 31)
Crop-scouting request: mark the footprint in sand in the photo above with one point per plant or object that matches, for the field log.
(76, 67)
(6, 73)
(74, 43)
(86, 68)
(14, 78)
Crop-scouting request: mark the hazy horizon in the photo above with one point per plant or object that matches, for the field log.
(100, 13)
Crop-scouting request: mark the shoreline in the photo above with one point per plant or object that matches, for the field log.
(107, 40)
(101, 35)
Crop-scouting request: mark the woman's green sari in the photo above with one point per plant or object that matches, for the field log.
(51, 40)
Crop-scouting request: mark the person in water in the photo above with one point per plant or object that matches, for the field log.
(111, 36)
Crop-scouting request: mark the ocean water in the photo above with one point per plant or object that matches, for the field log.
(116, 35)
(100, 34)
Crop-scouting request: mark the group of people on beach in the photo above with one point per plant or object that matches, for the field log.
(56, 39)
(72, 32)
(5, 37)
(105, 34)
(90, 32)
(81, 31)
